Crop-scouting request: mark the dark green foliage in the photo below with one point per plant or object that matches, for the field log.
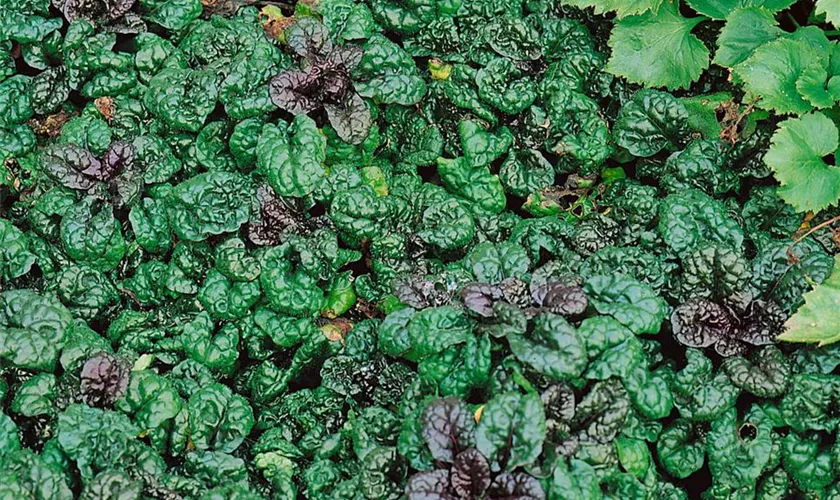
(422, 249)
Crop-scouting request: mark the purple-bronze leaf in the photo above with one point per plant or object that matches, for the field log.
(104, 379)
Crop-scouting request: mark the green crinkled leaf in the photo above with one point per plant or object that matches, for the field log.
(182, 98)
(649, 391)
(491, 263)
(650, 122)
(292, 158)
(33, 328)
(219, 420)
(809, 466)
(700, 394)
(511, 431)
(808, 402)
(475, 184)
(155, 406)
(577, 479)
(432, 330)
(785, 279)
(690, 218)
(505, 87)
(155, 158)
(87, 292)
(225, 298)
(387, 74)
(525, 172)
(15, 257)
(215, 350)
(633, 455)
(347, 20)
(420, 334)
(174, 15)
(289, 289)
(480, 146)
(359, 213)
(150, 225)
(766, 373)
(658, 49)
(512, 38)
(578, 129)
(447, 225)
(554, 348)
(95, 439)
(632, 303)
(617, 361)
(27, 475)
(714, 272)
(734, 461)
(36, 396)
(112, 484)
(91, 235)
(700, 165)
(680, 450)
(796, 158)
(209, 204)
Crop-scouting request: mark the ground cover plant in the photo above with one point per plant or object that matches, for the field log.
(420, 249)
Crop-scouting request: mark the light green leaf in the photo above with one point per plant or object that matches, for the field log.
(658, 49)
(622, 8)
(816, 320)
(745, 30)
(720, 9)
(796, 157)
(831, 9)
(815, 86)
(771, 72)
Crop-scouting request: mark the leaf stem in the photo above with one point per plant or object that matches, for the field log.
(831, 32)
(793, 20)
(815, 229)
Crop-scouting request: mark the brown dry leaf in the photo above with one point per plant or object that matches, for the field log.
(51, 125)
(337, 329)
(274, 23)
(106, 106)
(732, 120)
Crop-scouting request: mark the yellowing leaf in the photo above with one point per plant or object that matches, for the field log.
(816, 321)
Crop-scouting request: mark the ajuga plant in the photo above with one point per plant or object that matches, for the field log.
(419, 249)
